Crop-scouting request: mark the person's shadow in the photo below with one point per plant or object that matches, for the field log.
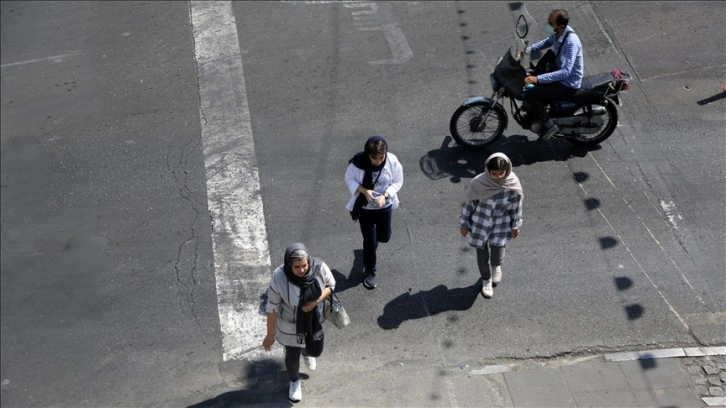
(426, 303)
(457, 162)
(267, 386)
(355, 276)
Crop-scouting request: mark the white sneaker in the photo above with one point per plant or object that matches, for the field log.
(497, 274)
(295, 393)
(486, 288)
(310, 363)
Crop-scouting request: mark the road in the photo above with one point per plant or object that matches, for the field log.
(154, 170)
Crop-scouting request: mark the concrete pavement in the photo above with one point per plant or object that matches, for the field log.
(679, 377)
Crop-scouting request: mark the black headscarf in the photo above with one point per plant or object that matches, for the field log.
(362, 161)
(307, 323)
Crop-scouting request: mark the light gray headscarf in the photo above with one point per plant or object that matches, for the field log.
(483, 186)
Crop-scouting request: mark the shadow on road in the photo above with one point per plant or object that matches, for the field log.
(457, 163)
(355, 276)
(267, 387)
(717, 97)
(427, 303)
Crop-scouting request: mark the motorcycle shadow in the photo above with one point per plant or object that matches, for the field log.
(457, 162)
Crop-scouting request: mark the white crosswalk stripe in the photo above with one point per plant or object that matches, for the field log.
(241, 255)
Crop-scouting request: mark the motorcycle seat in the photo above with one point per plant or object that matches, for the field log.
(593, 87)
(594, 81)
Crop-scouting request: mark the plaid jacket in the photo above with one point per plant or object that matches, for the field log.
(492, 219)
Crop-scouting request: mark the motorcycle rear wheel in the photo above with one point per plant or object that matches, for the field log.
(611, 122)
(470, 129)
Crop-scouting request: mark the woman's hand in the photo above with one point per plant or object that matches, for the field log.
(307, 307)
(515, 232)
(375, 197)
(464, 231)
(530, 79)
(369, 195)
(268, 342)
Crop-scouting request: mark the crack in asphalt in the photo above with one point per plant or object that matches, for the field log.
(185, 290)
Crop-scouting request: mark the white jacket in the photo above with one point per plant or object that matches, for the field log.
(392, 173)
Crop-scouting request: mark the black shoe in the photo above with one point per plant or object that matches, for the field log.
(549, 132)
(536, 127)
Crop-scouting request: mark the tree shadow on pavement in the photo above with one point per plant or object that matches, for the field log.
(427, 303)
(457, 163)
(266, 386)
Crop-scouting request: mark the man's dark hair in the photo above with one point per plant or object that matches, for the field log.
(562, 17)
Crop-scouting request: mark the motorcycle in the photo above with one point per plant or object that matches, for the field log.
(587, 118)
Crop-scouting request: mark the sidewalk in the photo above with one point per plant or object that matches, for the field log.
(679, 377)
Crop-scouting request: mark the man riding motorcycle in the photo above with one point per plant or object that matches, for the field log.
(558, 74)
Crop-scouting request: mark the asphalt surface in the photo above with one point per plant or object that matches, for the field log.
(108, 285)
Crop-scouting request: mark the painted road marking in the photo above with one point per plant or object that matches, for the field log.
(670, 211)
(665, 353)
(55, 58)
(239, 236)
(657, 242)
(366, 17)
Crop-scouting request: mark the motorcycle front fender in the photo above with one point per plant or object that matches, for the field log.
(475, 99)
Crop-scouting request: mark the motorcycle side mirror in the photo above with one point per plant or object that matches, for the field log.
(522, 27)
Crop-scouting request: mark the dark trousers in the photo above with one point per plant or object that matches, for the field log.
(543, 94)
(375, 225)
(292, 362)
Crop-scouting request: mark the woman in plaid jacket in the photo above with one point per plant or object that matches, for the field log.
(490, 215)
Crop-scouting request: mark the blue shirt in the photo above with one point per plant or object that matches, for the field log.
(570, 63)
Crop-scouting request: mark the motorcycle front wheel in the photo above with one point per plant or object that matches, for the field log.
(477, 125)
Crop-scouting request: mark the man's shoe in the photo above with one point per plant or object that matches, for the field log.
(370, 281)
(310, 363)
(295, 394)
(536, 127)
(549, 132)
(497, 274)
(486, 289)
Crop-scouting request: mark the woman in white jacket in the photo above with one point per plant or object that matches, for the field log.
(373, 177)
(295, 301)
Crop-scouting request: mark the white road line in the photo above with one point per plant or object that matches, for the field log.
(397, 43)
(670, 212)
(239, 236)
(55, 58)
(492, 369)
(666, 353)
(643, 223)
(640, 266)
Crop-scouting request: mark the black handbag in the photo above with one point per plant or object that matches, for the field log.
(361, 201)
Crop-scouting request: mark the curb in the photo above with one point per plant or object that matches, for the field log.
(667, 353)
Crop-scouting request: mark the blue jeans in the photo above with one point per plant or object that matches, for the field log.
(375, 225)
(482, 259)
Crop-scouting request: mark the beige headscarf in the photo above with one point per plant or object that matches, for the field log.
(483, 186)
